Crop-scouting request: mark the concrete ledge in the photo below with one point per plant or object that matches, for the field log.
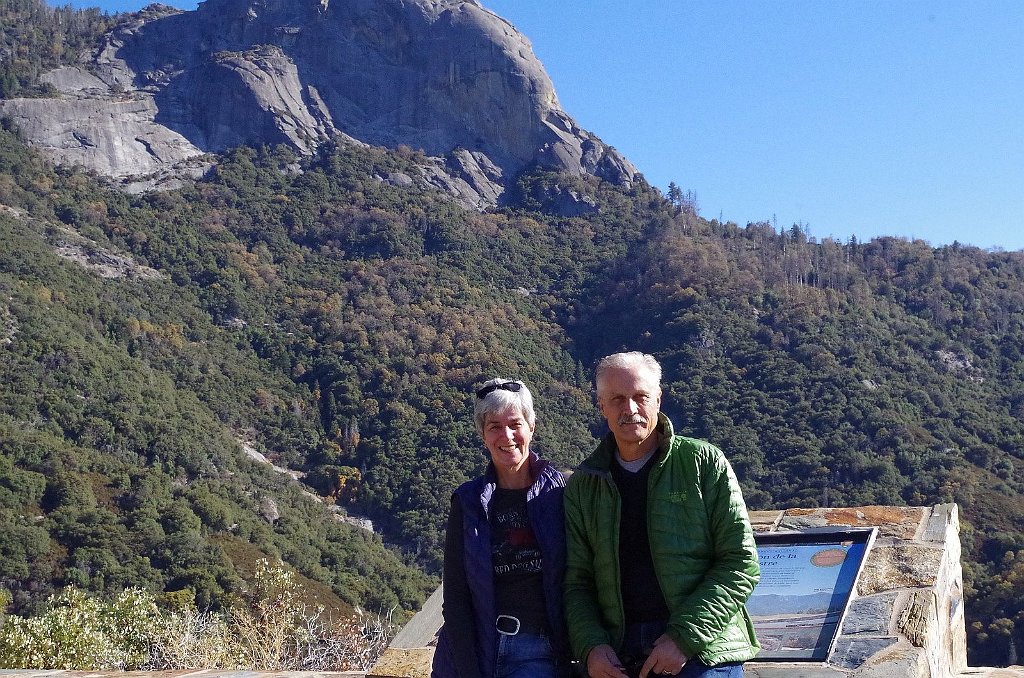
(777, 670)
(403, 663)
(193, 673)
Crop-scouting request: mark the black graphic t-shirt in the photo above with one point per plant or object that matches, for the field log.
(516, 556)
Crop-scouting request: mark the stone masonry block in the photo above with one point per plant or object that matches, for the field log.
(852, 652)
(870, 615)
(919, 619)
(900, 660)
(900, 522)
(898, 567)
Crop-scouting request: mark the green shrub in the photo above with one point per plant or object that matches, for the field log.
(79, 632)
(268, 630)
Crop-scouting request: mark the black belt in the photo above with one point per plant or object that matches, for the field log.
(507, 625)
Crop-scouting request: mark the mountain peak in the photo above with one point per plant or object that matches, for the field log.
(439, 75)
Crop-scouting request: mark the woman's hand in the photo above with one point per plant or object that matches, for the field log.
(602, 662)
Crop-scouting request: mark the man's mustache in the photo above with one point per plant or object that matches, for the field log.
(632, 420)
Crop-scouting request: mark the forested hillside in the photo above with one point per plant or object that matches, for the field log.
(123, 409)
(337, 323)
(37, 38)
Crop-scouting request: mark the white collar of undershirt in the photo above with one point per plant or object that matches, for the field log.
(637, 464)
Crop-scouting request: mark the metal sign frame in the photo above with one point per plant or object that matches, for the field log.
(808, 578)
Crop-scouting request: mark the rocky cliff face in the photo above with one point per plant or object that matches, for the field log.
(445, 76)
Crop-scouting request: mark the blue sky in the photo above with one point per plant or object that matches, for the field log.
(868, 118)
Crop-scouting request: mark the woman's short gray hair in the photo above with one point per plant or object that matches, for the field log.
(498, 400)
(631, 360)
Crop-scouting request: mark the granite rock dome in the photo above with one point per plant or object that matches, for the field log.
(445, 76)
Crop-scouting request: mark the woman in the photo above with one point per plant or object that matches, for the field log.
(504, 554)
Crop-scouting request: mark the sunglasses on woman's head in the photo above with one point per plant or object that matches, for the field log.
(513, 386)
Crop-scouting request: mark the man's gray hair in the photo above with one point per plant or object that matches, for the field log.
(630, 360)
(500, 401)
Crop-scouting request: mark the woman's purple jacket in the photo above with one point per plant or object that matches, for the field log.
(467, 642)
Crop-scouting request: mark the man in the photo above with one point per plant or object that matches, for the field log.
(661, 556)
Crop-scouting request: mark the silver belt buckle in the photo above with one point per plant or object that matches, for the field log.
(497, 624)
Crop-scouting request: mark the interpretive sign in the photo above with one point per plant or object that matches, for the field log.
(807, 577)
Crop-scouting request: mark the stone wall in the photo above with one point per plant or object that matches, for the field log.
(906, 616)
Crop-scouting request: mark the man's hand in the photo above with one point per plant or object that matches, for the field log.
(602, 662)
(666, 658)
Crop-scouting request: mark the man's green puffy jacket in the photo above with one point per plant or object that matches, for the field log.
(701, 543)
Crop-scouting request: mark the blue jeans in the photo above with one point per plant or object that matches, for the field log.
(639, 641)
(525, 655)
